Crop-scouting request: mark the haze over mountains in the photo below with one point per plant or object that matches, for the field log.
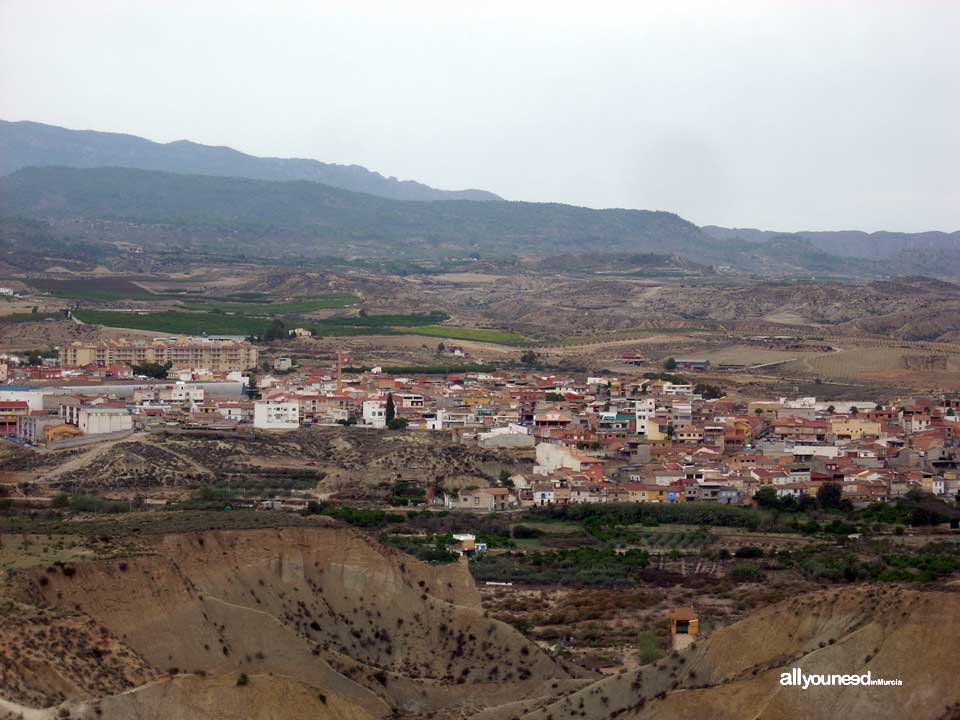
(26, 144)
(106, 187)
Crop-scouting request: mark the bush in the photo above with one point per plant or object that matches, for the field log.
(581, 566)
(648, 648)
(243, 680)
(90, 504)
(745, 572)
(692, 513)
(525, 532)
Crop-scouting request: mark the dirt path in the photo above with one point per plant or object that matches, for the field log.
(574, 347)
(22, 712)
(75, 463)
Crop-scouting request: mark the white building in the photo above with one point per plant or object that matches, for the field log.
(513, 435)
(670, 388)
(276, 415)
(94, 420)
(33, 398)
(178, 393)
(375, 413)
(551, 458)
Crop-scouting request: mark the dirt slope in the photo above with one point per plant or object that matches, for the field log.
(735, 673)
(326, 608)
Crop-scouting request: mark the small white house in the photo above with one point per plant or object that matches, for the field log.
(276, 415)
(375, 413)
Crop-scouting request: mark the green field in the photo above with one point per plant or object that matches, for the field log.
(30, 317)
(178, 322)
(88, 288)
(297, 305)
(501, 337)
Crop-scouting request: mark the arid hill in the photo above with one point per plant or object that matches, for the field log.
(735, 673)
(325, 616)
(362, 463)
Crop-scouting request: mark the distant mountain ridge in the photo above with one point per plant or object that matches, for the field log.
(262, 218)
(32, 144)
(882, 245)
(100, 189)
(298, 217)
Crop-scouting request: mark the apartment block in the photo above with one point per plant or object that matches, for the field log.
(181, 352)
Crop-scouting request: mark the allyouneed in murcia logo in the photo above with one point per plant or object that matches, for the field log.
(797, 678)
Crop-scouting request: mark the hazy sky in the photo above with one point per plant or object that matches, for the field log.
(794, 115)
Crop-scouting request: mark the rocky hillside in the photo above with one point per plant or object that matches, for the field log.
(359, 463)
(322, 620)
(735, 672)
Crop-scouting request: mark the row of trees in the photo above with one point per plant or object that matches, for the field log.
(829, 497)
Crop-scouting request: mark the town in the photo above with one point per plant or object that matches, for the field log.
(659, 436)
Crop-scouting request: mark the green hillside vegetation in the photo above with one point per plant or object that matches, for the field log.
(29, 317)
(218, 323)
(177, 323)
(316, 219)
(233, 217)
(298, 305)
(100, 289)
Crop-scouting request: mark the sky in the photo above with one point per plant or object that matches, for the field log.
(784, 115)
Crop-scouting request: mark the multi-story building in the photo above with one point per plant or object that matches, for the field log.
(276, 415)
(180, 352)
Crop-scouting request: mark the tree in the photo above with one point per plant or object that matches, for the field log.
(854, 410)
(441, 348)
(829, 496)
(276, 331)
(709, 392)
(831, 409)
(529, 357)
(253, 389)
(669, 364)
(153, 370)
(391, 410)
(397, 423)
(766, 497)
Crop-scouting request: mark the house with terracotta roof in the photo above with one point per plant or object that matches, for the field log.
(487, 499)
(10, 410)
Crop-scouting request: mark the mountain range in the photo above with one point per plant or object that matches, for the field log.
(31, 144)
(107, 188)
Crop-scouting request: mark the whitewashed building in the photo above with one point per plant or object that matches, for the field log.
(276, 415)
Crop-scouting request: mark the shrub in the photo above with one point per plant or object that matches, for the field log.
(745, 572)
(525, 532)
